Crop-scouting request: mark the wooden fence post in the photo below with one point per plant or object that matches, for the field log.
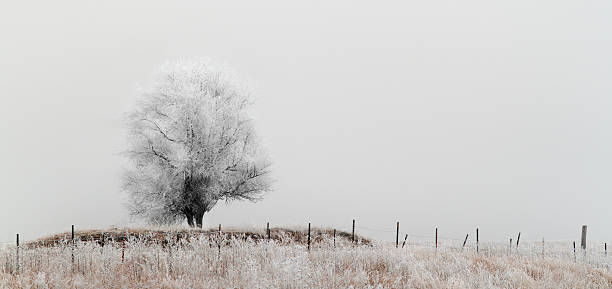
(574, 251)
(123, 250)
(606, 249)
(397, 236)
(309, 237)
(436, 238)
(583, 239)
(405, 238)
(170, 267)
(268, 230)
(353, 236)
(518, 239)
(102, 244)
(476, 240)
(17, 254)
(334, 238)
(72, 247)
(510, 245)
(464, 241)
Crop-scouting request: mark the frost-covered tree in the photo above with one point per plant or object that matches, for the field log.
(192, 144)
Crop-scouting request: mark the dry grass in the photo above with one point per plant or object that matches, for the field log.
(164, 236)
(160, 259)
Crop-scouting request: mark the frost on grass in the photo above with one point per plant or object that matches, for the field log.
(243, 262)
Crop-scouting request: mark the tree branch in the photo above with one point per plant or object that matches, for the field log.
(159, 129)
(250, 175)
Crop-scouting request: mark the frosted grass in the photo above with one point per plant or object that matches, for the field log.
(199, 263)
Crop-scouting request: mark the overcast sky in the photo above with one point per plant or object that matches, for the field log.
(453, 114)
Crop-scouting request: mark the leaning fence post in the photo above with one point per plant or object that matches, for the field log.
(397, 236)
(518, 239)
(464, 241)
(308, 236)
(219, 244)
(17, 253)
(405, 238)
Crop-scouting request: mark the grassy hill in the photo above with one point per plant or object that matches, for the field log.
(163, 236)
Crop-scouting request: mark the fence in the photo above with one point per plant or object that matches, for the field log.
(593, 255)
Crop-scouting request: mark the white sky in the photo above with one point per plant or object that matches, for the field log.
(453, 114)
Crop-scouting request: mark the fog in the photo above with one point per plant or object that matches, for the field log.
(433, 113)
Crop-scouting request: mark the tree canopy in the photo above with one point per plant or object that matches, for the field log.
(191, 144)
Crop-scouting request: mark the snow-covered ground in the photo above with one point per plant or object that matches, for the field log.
(200, 263)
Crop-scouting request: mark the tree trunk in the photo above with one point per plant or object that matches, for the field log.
(191, 199)
(199, 218)
(190, 220)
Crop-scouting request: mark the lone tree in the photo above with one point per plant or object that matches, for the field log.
(192, 144)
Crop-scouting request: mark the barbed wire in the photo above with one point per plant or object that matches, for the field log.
(403, 233)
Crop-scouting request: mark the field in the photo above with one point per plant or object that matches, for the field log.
(246, 259)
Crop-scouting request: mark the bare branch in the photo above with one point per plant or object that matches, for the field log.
(158, 129)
